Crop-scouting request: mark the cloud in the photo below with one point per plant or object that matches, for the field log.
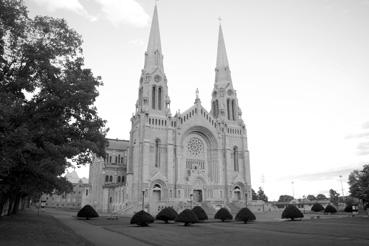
(115, 11)
(363, 148)
(71, 5)
(136, 42)
(124, 11)
(359, 135)
(366, 125)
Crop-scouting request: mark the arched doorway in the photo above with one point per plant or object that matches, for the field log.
(156, 193)
(237, 193)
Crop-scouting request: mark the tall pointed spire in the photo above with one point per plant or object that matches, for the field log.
(222, 72)
(154, 57)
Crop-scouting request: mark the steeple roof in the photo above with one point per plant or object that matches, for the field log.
(154, 39)
(223, 74)
(154, 56)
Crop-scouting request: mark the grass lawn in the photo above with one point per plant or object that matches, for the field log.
(330, 231)
(26, 228)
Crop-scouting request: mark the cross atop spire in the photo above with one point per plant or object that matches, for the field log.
(222, 72)
(154, 57)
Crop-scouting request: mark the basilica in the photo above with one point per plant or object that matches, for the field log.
(198, 156)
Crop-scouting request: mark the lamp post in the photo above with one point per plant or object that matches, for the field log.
(343, 194)
(245, 199)
(143, 200)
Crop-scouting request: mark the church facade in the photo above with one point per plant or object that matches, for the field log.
(197, 156)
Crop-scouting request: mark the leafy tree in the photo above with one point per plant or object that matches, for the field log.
(321, 197)
(167, 214)
(261, 195)
(87, 212)
(311, 197)
(333, 195)
(254, 195)
(285, 198)
(223, 214)
(188, 217)
(47, 114)
(317, 207)
(330, 209)
(359, 184)
(200, 213)
(142, 218)
(291, 212)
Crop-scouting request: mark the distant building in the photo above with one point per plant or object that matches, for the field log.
(197, 156)
(74, 199)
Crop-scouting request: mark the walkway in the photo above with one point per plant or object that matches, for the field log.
(97, 235)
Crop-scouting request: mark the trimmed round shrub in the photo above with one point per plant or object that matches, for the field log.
(142, 218)
(291, 212)
(200, 213)
(348, 209)
(188, 217)
(87, 212)
(245, 215)
(167, 214)
(223, 214)
(317, 207)
(330, 209)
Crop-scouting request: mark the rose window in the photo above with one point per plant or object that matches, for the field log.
(195, 146)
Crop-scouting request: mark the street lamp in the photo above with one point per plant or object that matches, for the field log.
(143, 199)
(343, 194)
(245, 199)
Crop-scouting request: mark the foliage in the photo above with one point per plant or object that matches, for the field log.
(317, 207)
(188, 217)
(330, 209)
(311, 197)
(254, 195)
(223, 214)
(245, 215)
(87, 212)
(321, 197)
(291, 212)
(142, 218)
(47, 114)
(285, 198)
(359, 184)
(333, 196)
(261, 195)
(348, 209)
(167, 214)
(200, 213)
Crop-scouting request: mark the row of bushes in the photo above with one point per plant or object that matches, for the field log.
(189, 216)
(317, 207)
(197, 214)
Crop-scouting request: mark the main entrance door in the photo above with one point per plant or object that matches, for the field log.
(197, 195)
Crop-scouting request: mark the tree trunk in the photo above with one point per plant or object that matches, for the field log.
(16, 204)
(10, 207)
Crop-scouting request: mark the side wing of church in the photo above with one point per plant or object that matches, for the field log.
(195, 157)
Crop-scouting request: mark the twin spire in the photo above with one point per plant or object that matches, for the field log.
(154, 56)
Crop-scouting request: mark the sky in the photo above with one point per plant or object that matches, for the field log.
(300, 68)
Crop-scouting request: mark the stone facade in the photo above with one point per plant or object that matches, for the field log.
(197, 156)
(74, 199)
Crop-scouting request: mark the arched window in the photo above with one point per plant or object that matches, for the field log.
(160, 97)
(233, 109)
(106, 178)
(157, 152)
(153, 96)
(229, 109)
(235, 158)
(118, 181)
(111, 179)
(216, 108)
